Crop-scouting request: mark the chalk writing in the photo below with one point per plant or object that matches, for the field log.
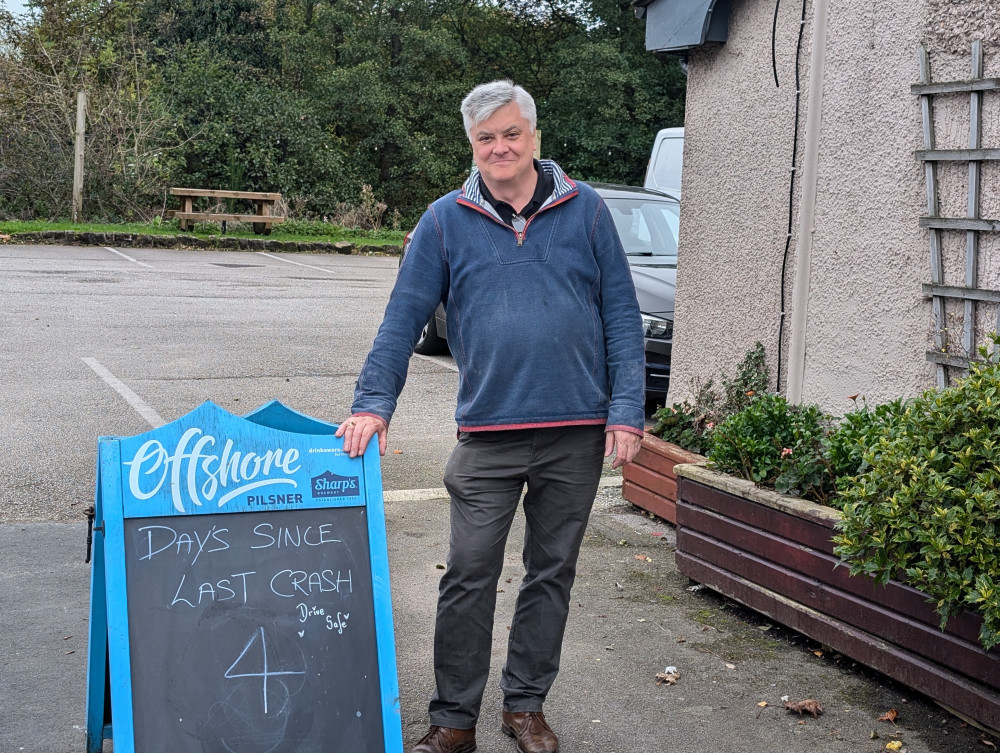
(183, 541)
(220, 591)
(279, 536)
(305, 612)
(287, 582)
(265, 671)
(340, 623)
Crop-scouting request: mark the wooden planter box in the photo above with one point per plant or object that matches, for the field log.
(649, 481)
(774, 554)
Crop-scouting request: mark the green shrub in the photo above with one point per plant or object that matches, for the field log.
(926, 507)
(856, 436)
(774, 443)
(689, 424)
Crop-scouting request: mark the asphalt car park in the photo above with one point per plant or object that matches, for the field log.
(105, 341)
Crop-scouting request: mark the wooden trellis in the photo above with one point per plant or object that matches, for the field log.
(972, 224)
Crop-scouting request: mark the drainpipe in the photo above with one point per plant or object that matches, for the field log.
(807, 205)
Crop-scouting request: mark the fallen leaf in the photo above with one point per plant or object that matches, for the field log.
(667, 678)
(894, 745)
(682, 639)
(818, 653)
(889, 716)
(873, 735)
(643, 557)
(730, 666)
(809, 705)
(439, 567)
(658, 533)
(397, 452)
(762, 704)
(988, 744)
(763, 627)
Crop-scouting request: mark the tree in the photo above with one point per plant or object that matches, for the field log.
(313, 98)
(74, 45)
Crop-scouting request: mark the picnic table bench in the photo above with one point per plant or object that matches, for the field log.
(262, 218)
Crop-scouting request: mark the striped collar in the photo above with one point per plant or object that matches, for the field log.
(564, 185)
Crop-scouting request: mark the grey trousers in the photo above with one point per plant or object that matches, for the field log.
(485, 476)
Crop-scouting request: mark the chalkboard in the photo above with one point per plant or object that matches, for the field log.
(248, 608)
(253, 632)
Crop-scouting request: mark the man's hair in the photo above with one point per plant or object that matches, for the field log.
(486, 99)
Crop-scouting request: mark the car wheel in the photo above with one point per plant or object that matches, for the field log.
(430, 342)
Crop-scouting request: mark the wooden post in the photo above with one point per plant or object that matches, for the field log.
(81, 126)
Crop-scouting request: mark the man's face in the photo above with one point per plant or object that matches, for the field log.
(503, 147)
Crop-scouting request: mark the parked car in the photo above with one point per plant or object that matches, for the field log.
(666, 162)
(647, 223)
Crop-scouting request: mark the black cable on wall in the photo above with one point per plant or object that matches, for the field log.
(792, 171)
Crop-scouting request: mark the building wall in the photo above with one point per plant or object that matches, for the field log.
(868, 325)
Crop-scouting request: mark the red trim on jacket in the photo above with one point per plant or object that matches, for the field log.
(545, 425)
(629, 429)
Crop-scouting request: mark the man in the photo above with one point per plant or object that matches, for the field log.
(546, 332)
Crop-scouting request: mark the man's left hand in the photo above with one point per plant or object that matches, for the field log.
(624, 444)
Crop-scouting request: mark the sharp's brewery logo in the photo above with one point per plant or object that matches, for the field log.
(331, 485)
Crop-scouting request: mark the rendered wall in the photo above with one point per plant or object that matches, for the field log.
(868, 324)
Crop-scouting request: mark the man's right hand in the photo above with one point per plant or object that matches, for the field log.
(357, 430)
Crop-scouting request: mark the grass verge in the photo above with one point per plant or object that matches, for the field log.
(290, 230)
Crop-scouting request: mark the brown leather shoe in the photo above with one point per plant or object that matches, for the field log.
(447, 740)
(531, 731)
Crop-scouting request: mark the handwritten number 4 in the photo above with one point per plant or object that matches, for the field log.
(265, 672)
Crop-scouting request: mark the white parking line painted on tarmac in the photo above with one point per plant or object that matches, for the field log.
(439, 360)
(126, 256)
(140, 407)
(296, 263)
(422, 495)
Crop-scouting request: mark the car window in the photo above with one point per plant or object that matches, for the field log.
(647, 227)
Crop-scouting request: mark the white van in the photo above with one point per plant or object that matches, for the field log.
(664, 170)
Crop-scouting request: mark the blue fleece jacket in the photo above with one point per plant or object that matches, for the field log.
(544, 325)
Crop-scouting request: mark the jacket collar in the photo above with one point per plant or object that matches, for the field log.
(564, 186)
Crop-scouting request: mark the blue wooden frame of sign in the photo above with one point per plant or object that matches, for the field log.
(240, 594)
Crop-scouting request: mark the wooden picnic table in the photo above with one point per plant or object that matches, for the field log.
(262, 217)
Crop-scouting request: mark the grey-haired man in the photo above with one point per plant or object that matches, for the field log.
(547, 337)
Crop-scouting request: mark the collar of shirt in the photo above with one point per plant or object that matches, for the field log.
(544, 187)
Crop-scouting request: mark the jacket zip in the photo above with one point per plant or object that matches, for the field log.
(519, 236)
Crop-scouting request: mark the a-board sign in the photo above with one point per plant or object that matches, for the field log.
(246, 590)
